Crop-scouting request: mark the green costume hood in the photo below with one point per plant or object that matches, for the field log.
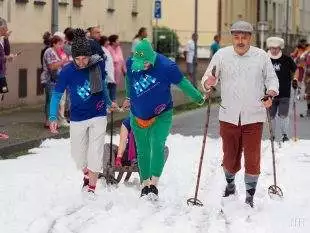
(143, 53)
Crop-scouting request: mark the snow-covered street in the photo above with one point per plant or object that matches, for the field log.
(41, 193)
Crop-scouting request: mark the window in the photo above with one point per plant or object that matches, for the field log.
(290, 19)
(281, 18)
(21, 1)
(266, 10)
(111, 6)
(77, 3)
(274, 15)
(9, 9)
(39, 2)
(63, 2)
(22, 83)
(134, 10)
(301, 4)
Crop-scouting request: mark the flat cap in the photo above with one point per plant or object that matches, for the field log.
(241, 26)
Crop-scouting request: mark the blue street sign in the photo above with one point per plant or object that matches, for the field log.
(157, 9)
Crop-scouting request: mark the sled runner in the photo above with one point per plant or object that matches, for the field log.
(128, 167)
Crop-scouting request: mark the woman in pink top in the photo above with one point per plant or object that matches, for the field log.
(118, 59)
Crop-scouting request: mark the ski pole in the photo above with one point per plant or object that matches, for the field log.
(111, 139)
(295, 116)
(194, 201)
(272, 147)
(273, 189)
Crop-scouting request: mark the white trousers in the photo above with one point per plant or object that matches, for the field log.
(87, 142)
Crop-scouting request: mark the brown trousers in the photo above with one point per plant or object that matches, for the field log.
(246, 138)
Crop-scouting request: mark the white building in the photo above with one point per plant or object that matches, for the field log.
(29, 19)
(274, 12)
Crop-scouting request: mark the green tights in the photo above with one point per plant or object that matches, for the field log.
(151, 143)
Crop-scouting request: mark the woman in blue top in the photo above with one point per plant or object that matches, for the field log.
(85, 80)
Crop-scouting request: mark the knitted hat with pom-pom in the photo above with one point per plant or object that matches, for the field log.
(80, 44)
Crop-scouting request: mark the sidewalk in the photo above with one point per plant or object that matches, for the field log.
(25, 129)
(25, 126)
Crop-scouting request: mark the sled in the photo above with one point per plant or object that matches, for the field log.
(114, 175)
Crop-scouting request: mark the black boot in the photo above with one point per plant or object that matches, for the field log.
(153, 193)
(250, 196)
(153, 190)
(145, 191)
(285, 138)
(229, 190)
(249, 201)
(85, 182)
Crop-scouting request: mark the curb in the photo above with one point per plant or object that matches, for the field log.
(8, 151)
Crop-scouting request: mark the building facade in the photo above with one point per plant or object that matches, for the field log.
(275, 12)
(179, 16)
(234, 10)
(286, 16)
(29, 19)
(214, 17)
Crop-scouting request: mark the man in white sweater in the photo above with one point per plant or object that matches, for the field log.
(245, 73)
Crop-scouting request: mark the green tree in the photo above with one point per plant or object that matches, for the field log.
(166, 41)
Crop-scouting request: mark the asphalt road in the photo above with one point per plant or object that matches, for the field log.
(192, 123)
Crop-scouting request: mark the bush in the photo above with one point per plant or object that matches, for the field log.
(166, 41)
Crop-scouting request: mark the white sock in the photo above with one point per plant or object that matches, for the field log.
(154, 180)
(146, 182)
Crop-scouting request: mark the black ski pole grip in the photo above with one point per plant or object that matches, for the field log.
(266, 97)
(213, 72)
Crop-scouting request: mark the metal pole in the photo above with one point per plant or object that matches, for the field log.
(262, 38)
(195, 201)
(287, 22)
(195, 42)
(258, 18)
(219, 18)
(54, 16)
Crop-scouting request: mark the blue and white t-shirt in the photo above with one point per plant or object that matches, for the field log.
(149, 90)
(84, 105)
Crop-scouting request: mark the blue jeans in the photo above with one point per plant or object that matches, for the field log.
(48, 89)
(112, 91)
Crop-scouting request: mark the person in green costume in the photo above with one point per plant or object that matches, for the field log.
(148, 83)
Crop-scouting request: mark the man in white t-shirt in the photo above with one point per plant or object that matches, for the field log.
(109, 67)
(189, 56)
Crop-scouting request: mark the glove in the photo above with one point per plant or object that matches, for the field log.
(118, 162)
(295, 84)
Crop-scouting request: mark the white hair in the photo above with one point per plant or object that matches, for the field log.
(275, 42)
